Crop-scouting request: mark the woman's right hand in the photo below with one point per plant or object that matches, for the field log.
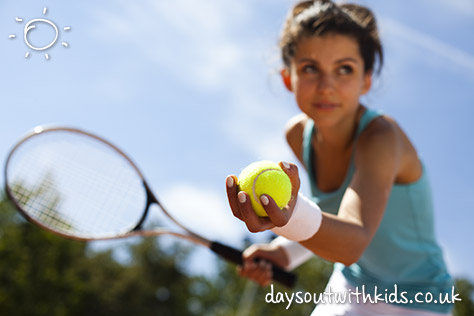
(258, 261)
(241, 207)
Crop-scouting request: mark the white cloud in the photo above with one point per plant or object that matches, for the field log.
(463, 7)
(206, 18)
(430, 43)
(257, 126)
(204, 47)
(204, 211)
(458, 263)
(190, 41)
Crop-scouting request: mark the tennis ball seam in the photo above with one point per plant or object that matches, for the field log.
(255, 183)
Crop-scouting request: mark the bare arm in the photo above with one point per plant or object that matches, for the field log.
(344, 237)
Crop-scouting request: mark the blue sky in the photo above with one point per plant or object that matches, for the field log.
(191, 92)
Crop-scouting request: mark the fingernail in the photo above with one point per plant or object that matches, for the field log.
(242, 197)
(230, 182)
(286, 165)
(264, 200)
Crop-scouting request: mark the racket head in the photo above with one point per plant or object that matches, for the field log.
(76, 184)
(71, 183)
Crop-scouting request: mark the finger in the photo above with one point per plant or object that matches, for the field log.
(260, 272)
(254, 222)
(263, 274)
(266, 277)
(279, 217)
(292, 171)
(252, 251)
(232, 190)
(247, 269)
(258, 251)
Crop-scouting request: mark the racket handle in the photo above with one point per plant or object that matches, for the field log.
(233, 255)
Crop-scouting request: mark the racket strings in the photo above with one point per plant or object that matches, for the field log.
(35, 190)
(77, 185)
(43, 203)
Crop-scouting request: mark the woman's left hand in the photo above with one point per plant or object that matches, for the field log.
(242, 208)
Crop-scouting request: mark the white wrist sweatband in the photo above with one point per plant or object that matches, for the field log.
(304, 222)
(296, 253)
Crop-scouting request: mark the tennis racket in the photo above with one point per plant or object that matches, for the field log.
(80, 186)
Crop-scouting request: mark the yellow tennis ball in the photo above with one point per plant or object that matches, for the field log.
(265, 177)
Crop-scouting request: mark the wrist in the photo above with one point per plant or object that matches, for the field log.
(304, 223)
(294, 253)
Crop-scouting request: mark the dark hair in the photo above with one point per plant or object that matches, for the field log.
(323, 17)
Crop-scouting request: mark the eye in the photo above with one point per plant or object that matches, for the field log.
(345, 70)
(309, 69)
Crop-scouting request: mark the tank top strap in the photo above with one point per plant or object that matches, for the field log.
(307, 149)
(308, 132)
(366, 118)
(308, 152)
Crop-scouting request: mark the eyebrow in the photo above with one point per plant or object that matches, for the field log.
(339, 61)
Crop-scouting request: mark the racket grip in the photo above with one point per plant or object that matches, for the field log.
(233, 255)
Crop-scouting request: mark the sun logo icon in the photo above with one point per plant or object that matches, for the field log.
(32, 25)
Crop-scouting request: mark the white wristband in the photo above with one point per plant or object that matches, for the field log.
(304, 222)
(296, 253)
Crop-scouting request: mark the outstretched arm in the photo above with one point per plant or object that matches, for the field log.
(343, 237)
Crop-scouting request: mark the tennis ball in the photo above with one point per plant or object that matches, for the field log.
(265, 177)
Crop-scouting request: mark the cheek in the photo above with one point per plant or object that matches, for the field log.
(303, 87)
(304, 94)
(352, 88)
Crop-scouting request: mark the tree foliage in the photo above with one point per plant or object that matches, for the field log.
(42, 274)
(466, 294)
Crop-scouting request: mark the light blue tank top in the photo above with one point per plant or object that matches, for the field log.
(404, 251)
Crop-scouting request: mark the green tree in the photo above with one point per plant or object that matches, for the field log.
(43, 274)
(229, 294)
(466, 305)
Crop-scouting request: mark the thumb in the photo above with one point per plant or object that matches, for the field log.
(265, 252)
(292, 171)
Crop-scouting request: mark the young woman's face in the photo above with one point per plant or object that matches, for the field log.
(327, 77)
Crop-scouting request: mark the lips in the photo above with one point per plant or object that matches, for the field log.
(325, 106)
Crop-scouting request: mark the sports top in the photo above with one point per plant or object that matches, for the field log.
(403, 256)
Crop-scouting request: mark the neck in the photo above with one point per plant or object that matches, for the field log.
(339, 136)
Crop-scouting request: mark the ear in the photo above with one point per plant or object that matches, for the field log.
(367, 84)
(286, 77)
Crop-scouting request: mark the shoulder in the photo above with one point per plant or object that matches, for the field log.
(380, 145)
(382, 131)
(294, 133)
(384, 147)
(384, 142)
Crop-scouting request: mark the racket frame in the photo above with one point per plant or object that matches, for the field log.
(231, 254)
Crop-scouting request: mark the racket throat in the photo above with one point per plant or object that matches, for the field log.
(150, 199)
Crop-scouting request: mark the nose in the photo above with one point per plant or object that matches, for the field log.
(326, 83)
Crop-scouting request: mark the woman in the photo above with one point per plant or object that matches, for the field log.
(373, 213)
